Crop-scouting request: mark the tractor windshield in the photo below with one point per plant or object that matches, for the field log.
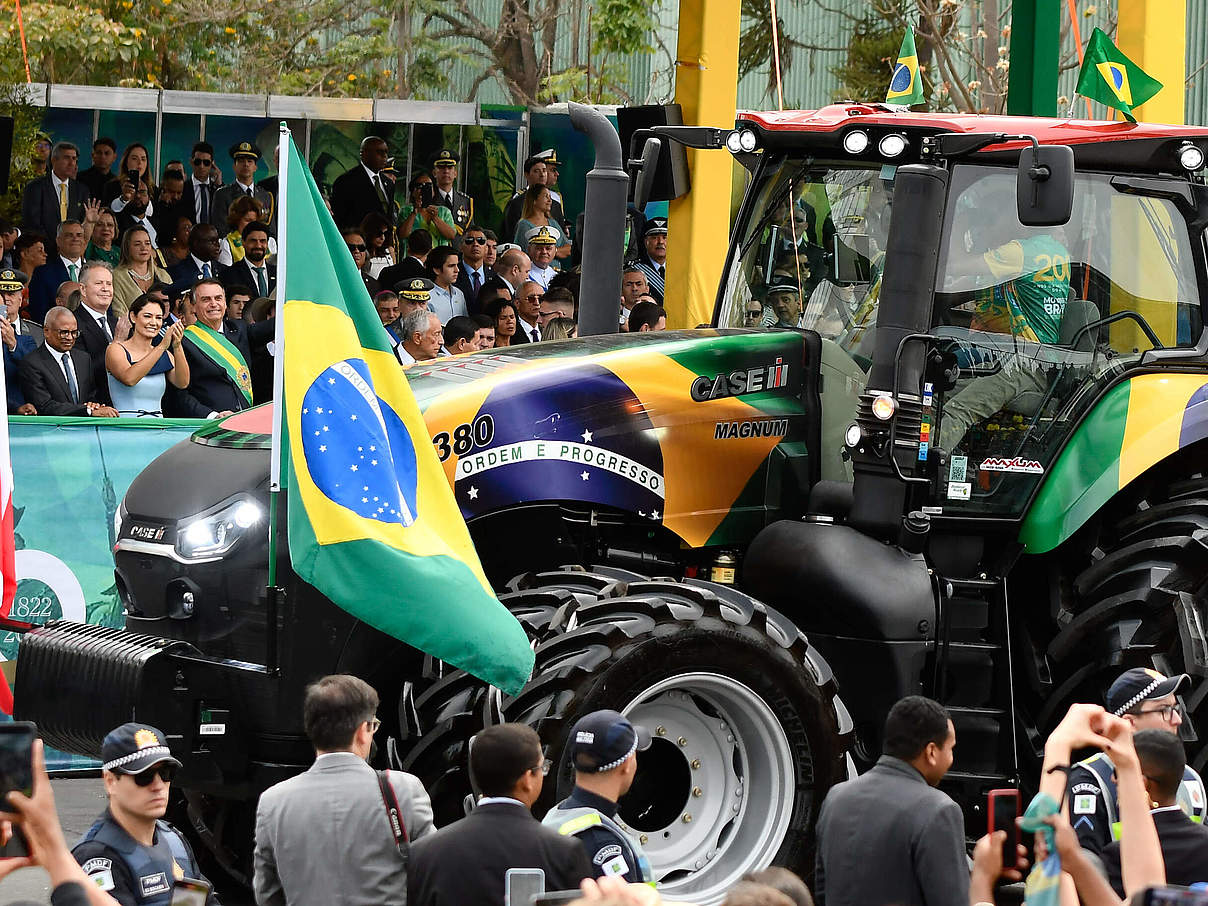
(811, 251)
(1037, 319)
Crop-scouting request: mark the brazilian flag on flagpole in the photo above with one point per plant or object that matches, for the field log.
(1109, 77)
(905, 86)
(372, 520)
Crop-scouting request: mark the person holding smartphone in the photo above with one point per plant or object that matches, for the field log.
(129, 852)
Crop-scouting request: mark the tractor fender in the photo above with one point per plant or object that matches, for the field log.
(832, 579)
(1134, 426)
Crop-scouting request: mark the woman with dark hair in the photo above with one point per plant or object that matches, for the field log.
(379, 236)
(138, 370)
(538, 203)
(503, 313)
(177, 248)
(119, 191)
(357, 247)
(136, 270)
(446, 300)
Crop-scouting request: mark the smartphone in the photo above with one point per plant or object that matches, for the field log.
(427, 194)
(1002, 810)
(190, 892)
(1170, 896)
(133, 176)
(521, 885)
(16, 773)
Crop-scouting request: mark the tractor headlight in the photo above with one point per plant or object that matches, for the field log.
(853, 436)
(892, 145)
(214, 534)
(855, 142)
(747, 141)
(883, 407)
(732, 142)
(1191, 158)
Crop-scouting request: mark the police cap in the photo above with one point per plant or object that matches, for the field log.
(602, 740)
(12, 281)
(415, 289)
(134, 747)
(244, 149)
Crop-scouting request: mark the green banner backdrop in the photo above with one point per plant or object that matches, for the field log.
(69, 477)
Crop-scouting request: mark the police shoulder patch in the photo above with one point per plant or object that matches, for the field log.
(615, 868)
(97, 864)
(154, 884)
(103, 879)
(1084, 804)
(1086, 788)
(611, 851)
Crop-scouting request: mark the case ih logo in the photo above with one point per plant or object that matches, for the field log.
(146, 532)
(1014, 464)
(738, 383)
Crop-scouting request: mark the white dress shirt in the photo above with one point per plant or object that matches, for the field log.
(542, 275)
(528, 329)
(446, 303)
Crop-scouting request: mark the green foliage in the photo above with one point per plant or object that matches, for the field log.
(871, 53)
(756, 46)
(622, 26)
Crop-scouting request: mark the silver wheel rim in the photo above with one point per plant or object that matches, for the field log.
(738, 800)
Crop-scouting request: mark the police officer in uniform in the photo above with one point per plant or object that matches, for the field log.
(444, 175)
(1146, 699)
(129, 852)
(603, 750)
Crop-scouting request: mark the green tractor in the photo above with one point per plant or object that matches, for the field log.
(947, 435)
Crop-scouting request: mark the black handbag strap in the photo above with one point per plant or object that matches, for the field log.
(393, 813)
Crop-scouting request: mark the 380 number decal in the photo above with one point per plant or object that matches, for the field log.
(466, 437)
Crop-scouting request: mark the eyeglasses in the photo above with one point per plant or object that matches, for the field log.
(65, 333)
(165, 772)
(754, 314)
(475, 240)
(357, 248)
(1167, 712)
(542, 769)
(535, 297)
(202, 162)
(374, 724)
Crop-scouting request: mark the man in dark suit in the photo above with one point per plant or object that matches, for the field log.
(251, 269)
(104, 153)
(202, 260)
(56, 378)
(894, 812)
(198, 195)
(1184, 843)
(419, 243)
(466, 862)
(363, 189)
(218, 351)
(246, 157)
(56, 196)
(97, 321)
(16, 341)
(472, 274)
(66, 263)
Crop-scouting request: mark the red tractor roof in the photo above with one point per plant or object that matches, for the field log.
(1047, 130)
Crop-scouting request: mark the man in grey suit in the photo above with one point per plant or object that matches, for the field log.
(326, 836)
(894, 817)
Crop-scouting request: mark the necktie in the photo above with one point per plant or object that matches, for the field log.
(381, 191)
(475, 281)
(72, 388)
(205, 203)
(536, 335)
(205, 269)
(261, 281)
(248, 191)
(103, 323)
(73, 271)
(63, 203)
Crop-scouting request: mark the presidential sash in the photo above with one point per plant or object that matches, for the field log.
(223, 353)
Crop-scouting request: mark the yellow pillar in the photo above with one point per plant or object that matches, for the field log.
(706, 87)
(1153, 34)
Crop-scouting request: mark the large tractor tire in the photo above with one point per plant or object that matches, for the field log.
(749, 733)
(1143, 602)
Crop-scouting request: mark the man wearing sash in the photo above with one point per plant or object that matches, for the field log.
(218, 350)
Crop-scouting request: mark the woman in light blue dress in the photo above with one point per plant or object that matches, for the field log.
(139, 371)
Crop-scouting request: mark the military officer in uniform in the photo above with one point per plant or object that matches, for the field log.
(246, 158)
(603, 750)
(129, 852)
(444, 175)
(1146, 699)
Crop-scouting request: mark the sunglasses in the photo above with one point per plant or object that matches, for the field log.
(535, 297)
(357, 248)
(475, 240)
(754, 314)
(202, 162)
(145, 778)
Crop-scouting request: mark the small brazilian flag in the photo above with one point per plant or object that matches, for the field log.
(372, 520)
(1109, 77)
(905, 87)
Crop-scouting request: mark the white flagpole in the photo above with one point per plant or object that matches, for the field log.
(279, 334)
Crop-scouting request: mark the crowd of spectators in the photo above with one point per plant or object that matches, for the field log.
(99, 249)
(889, 836)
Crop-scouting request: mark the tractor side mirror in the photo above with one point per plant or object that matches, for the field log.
(1045, 186)
(647, 169)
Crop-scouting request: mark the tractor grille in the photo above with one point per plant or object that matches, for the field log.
(78, 682)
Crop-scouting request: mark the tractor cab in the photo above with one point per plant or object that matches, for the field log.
(1029, 323)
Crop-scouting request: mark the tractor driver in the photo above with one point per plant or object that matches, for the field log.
(1027, 284)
